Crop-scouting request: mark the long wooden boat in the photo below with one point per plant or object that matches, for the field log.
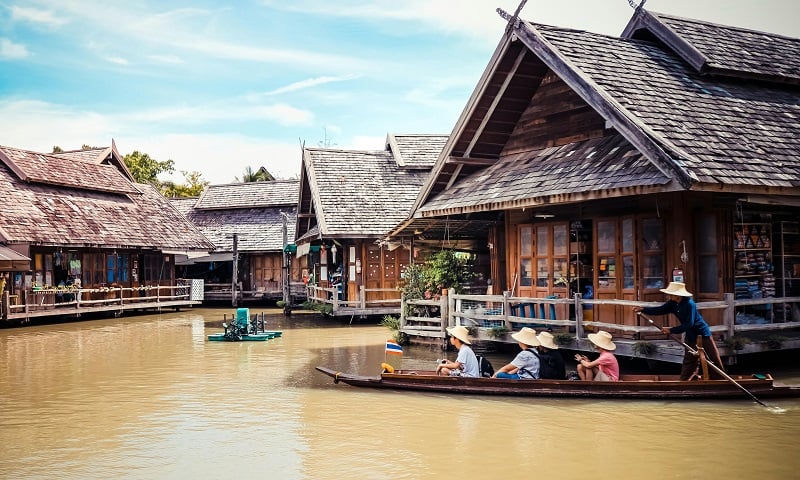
(629, 386)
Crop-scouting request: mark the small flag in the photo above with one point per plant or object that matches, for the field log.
(393, 347)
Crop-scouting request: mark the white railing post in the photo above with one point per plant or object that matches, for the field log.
(362, 293)
(506, 309)
(578, 316)
(729, 314)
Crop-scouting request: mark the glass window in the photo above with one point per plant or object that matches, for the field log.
(542, 243)
(542, 273)
(560, 239)
(708, 260)
(627, 235)
(627, 271)
(526, 272)
(525, 241)
(607, 272)
(606, 231)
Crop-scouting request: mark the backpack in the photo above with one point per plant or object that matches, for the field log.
(485, 366)
(548, 366)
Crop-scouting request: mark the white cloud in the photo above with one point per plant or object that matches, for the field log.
(12, 51)
(224, 110)
(117, 60)
(311, 82)
(168, 59)
(33, 15)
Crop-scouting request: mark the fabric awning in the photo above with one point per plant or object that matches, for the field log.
(13, 260)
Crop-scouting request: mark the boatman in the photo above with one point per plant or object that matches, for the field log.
(680, 303)
(466, 364)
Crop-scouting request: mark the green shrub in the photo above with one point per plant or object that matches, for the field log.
(497, 332)
(775, 342)
(563, 339)
(643, 348)
(736, 342)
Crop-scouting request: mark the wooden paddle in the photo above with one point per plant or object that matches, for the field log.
(718, 369)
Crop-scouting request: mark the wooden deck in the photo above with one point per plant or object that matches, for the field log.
(77, 302)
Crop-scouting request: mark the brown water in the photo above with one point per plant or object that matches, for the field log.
(149, 398)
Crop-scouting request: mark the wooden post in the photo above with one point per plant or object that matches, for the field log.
(6, 305)
(402, 313)
(729, 315)
(362, 293)
(444, 311)
(506, 309)
(578, 316)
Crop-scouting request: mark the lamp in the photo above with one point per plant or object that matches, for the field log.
(544, 214)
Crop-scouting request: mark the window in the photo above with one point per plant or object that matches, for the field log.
(652, 257)
(707, 256)
(526, 254)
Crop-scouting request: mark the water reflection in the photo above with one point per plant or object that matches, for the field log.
(149, 397)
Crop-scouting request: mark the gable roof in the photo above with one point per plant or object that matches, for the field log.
(721, 49)
(249, 194)
(258, 229)
(48, 214)
(68, 171)
(364, 193)
(253, 210)
(700, 132)
(415, 151)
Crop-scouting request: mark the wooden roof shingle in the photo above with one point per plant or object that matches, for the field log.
(49, 213)
(249, 194)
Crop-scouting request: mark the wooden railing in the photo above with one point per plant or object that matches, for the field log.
(488, 311)
(76, 298)
(330, 295)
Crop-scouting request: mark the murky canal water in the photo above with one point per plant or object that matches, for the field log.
(150, 398)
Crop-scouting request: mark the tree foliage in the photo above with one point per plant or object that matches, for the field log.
(260, 175)
(444, 269)
(193, 187)
(146, 169)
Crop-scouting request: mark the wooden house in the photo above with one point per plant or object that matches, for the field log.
(86, 227)
(349, 200)
(615, 165)
(253, 222)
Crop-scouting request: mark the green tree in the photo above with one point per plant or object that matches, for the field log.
(260, 175)
(146, 169)
(193, 187)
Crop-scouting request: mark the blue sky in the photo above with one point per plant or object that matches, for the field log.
(218, 88)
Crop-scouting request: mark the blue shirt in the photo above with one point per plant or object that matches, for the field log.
(692, 323)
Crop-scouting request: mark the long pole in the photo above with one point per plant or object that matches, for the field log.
(718, 369)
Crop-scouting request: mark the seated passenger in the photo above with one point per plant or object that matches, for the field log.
(525, 365)
(551, 362)
(603, 369)
(466, 363)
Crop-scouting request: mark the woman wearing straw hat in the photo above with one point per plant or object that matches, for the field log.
(605, 367)
(679, 302)
(525, 365)
(466, 364)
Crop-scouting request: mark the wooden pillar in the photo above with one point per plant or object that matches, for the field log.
(506, 309)
(729, 315)
(578, 316)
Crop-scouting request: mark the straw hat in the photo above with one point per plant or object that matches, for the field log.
(461, 333)
(602, 339)
(546, 340)
(677, 288)
(526, 336)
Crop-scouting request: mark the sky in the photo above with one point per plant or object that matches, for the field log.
(218, 87)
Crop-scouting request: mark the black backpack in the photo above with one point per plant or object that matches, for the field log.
(485, 366)
(549, 367)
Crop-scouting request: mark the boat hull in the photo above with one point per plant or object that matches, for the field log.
(639, 386)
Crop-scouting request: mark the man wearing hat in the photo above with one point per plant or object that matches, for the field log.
(525, 365)
(680, 303)
(466, 364)
(604, 368)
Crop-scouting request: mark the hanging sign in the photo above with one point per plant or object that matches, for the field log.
(677, 275)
